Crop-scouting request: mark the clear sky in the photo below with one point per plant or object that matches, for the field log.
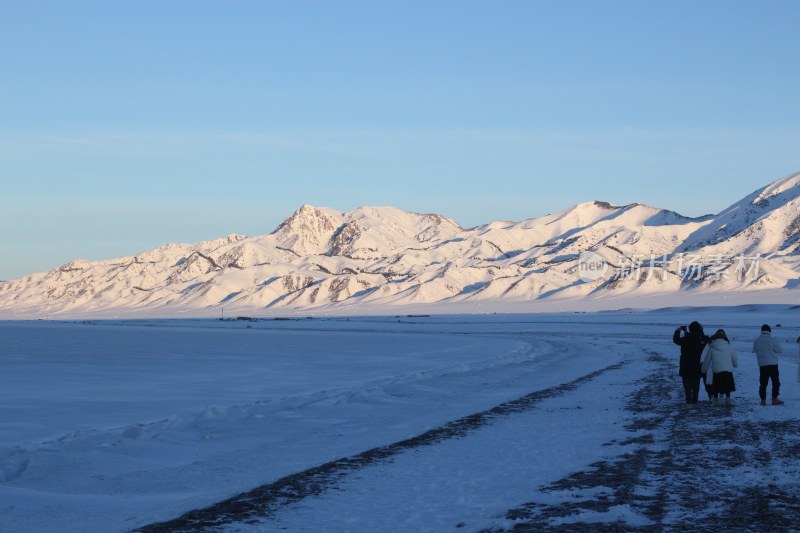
(128, 124)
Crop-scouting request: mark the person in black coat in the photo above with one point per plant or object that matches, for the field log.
(692, 343)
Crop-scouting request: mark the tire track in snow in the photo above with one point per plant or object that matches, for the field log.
(265, 500)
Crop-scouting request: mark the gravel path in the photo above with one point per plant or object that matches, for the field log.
(698, 467)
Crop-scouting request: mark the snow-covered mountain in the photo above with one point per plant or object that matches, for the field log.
(379, 257)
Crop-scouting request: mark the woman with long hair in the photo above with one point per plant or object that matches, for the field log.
(721, 358)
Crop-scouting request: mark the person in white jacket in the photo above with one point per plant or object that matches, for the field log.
(767, 349)
(721, 358)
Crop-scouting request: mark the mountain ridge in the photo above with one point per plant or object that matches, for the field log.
(319, 258)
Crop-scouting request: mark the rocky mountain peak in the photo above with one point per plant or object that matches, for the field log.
(308, 218)
(307, 230)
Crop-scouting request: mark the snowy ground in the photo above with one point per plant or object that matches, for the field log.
(467, 423)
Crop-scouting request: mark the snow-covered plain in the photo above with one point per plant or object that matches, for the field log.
(113, 425)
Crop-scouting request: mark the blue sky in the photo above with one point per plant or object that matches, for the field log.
(126, 125)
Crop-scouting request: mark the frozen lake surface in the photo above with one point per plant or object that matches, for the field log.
(113, 425)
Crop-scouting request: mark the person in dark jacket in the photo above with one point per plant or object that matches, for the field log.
(692, 343)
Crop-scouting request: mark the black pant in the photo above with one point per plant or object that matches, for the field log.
(691, 386)
(769, 372)
(709, 388)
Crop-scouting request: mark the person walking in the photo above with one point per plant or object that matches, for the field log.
(692, 343)
(721, 358)
(767, 349)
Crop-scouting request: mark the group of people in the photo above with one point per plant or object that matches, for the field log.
(712, 360)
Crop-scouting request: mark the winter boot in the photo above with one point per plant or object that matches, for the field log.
(776, 401)
(728, 401)
(763, 401)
